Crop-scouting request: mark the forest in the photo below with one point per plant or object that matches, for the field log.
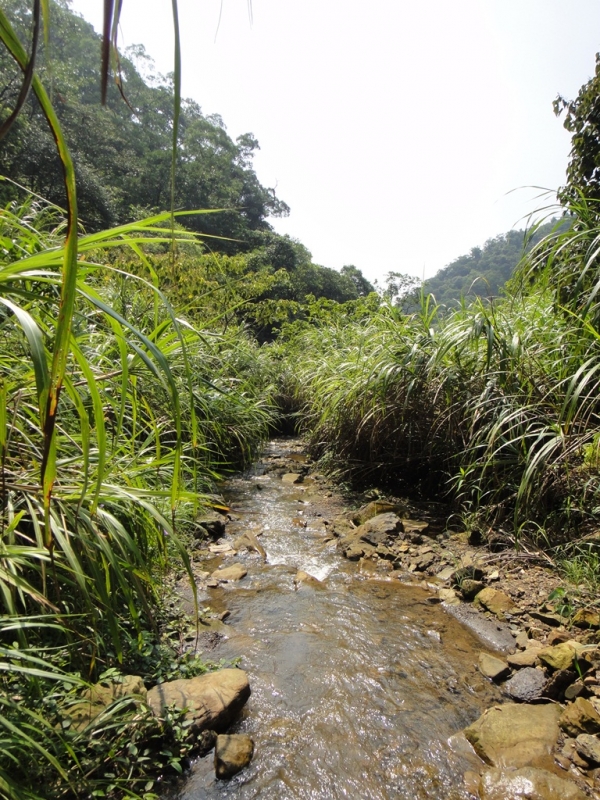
(156, 331)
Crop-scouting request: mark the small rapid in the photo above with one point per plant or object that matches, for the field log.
(358, 683)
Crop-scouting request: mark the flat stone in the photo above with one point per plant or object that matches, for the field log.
(525, 658)
(527, 783)
(588, 747)
(357, 549)
(495, 601)
(574, 690)
(303, 577)
(586, 618)
(553, 620)
(526, 685)
(515, 735)
(233, 752)
(491, 667)
(228, 574)
(212, 524)
(212, 700)
(373, 509)
(559, 656)
(445, 574)
(580, 717)
(522, 640)
(291, 477)
(424, 561)
(380, 528)
(449, 597)
(494, 633)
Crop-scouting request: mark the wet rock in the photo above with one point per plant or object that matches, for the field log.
(356, 549)
(493, 668)
(232, 753)
(494, 633)
(228, 574)
(586, 618)
(560, 656)
(212, 525)
(515, 735)
(588, 747)
(525, 658)
(580, 717)
(212, 700)
(558, 682)
(470, 588)
(304, 577)
(495, 601)
(526, 685)
(527, 783)
(249, 541)
(292, 478)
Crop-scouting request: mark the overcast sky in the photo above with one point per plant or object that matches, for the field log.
(400, 133)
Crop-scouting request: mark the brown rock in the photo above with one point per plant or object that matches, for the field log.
(470, 588)
(527, 783)
(586, 618)
(560, 656)
(553, 620)
(228, 574)
(106, 692)
(232, 753)
(558, 682)
(291, 477)
(212, 700)
(580, 717)
(495, 601)
(304, 577)
(380, 528)
(515, 735)
(449, 597)
(493, 668)
(525, 658)
(556, 637)
(373, 509)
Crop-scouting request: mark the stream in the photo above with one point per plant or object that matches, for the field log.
(358, 684)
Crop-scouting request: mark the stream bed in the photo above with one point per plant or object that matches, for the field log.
(358, 683)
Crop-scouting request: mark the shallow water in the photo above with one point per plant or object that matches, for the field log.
(357, 684)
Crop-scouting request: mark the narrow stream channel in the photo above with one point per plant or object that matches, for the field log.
(357, 684)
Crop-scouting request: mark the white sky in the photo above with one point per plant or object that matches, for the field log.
(395, 130)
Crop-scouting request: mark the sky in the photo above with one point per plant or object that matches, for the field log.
(401, 133)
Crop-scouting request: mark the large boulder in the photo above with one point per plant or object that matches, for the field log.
(514, 735)
(232, 754)
(527, 783)
(211, 701)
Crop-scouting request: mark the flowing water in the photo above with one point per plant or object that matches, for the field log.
(357, 684)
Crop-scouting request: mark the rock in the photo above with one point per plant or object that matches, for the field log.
(212, 700)
(493, 576)
(233, 752)
(558, 682)
(515, 735)
(491, 667)
(250, 542)
(553, 620)
(228, 574)
(291, 477)
(380, 528)
(212, 525)
(448, 596)
(107, 692)
(559, 656)
(495, 601)
(445, 574)
(413, 526)
(586, 618)
(470, 588)
(588, 747)
(580, 717)
(557, 637)
(304, 577)
(470, 573)
(527, 783)
(522, 640)
(424, 561)
(373, 509)
(525, 658)
(494, 633)
(526, 685)
(357, 549)
(574, 690)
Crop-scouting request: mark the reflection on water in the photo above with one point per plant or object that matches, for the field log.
(356, 685)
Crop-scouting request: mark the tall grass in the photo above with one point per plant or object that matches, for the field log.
(493, 405)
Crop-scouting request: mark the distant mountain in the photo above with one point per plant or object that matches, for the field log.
(485, 270)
